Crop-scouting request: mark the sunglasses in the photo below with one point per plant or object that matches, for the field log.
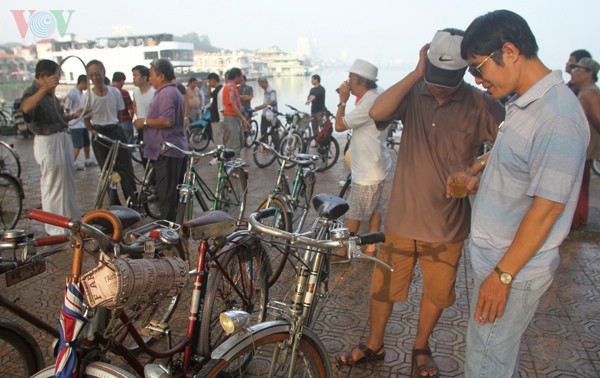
(476, 71)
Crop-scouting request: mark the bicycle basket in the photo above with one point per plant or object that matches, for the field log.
(123, 282)
(303, 122)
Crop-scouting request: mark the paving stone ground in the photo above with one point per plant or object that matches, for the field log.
(562, 341)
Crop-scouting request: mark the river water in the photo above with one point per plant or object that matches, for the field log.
(292, 90)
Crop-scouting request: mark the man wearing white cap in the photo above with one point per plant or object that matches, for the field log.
(445, 120)
(371, 162)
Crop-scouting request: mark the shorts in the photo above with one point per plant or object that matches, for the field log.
(438, 263)
(365, 200)
(80, 137)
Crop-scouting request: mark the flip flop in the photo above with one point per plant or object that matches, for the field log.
(418, 369)
(368, 355)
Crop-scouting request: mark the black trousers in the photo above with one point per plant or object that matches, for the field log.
(168, 172)
(123, 165)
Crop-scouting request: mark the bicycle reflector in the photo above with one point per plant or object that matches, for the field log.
(232, 321)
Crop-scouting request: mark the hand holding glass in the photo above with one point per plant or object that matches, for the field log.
(459, 178)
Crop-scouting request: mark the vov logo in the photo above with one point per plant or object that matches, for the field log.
(42, 24)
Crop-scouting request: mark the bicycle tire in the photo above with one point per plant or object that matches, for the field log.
(11, 201)
(255, 358)
(103, 183)
(290, 145)
(233, 192)
(263, 157)
(243, 260)
(328, 154)
(20, 351)
(198, 138)
(92, 370)
(276, 255)
(9, 160)
(150, 196)
(596, 166)
(138, 154)
(251, 135)
(304, 195)
(141, 314)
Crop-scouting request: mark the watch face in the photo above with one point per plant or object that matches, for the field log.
(506, 278)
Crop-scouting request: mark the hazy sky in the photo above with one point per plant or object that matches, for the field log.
(377, 30)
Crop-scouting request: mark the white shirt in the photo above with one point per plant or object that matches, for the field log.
(105, 109)
(142, 101)
(73, 103)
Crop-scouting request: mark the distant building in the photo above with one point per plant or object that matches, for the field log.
(283, 64)
(220, 62)
(118, 53)
(13, 68)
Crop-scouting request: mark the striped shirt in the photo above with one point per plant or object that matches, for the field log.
(539, 151)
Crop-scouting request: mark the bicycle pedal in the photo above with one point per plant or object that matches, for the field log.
(155, 329)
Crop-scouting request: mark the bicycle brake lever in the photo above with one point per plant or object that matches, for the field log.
(355, 252)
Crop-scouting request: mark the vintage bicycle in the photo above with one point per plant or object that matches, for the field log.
(288, 347)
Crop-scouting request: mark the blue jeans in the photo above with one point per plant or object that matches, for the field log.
(493, 349)
(128, 129)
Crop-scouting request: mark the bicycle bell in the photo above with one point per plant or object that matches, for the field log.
(341, 233)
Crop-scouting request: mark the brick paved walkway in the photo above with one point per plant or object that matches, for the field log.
(563, 340)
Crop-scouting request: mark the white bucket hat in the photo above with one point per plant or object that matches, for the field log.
(364, 69)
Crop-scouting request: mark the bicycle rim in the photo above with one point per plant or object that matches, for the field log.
(198, 138)
(9, 160)
(328, 154)
(291, 144)
(251, 135)
(11, 201)
(263, 157)
(277, 253)
(270, 356)
(20, 356)
(241, 285)
(150, 196)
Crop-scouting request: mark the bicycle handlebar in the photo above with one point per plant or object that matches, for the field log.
(300, 159)
(215, 153)
(350, 241)
(49, 218)
(50, 240)
(128, 146)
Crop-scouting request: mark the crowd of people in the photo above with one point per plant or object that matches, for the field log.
(528, 192)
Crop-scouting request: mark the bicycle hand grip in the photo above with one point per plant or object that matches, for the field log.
(7, 266)
(265, 213)
(50, 240)
(49, 218)
(371, 238)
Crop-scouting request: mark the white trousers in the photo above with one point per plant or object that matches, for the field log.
(54, 154)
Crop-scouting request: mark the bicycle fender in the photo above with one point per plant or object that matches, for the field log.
(285, 199)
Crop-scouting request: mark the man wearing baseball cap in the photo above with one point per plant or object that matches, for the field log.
(445, 120)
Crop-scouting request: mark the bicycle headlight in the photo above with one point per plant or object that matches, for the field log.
(231, 321)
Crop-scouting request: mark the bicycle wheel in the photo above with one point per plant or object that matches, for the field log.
(199, 138)
(150, 196)
(303, 198)
(251, 135)
(20, 355)
(263, 157)
(9, 160)
(233, 192)
(241, 284)
(11, 201)
(276, 253)
(270, 355)
(142, 313)
(103, 185)
(328, 154)
(596, 166)
(138, 154)
(290, 145)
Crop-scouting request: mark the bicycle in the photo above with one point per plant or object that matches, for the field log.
(288, 346)
(20, 351)
(250, 135)
(292, 205)
(227, 276)
(230, 191)
(328, 147)
(200, 132)
(297, 132)
(146, 196)
(272, 137)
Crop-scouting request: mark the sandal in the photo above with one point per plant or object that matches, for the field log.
(369, 355)
(418, 369)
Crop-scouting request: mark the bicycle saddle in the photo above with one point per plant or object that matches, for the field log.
(329, 206)
(227, 154)
(127, 216)
(210, 224)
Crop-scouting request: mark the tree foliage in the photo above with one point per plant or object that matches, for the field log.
(201, 42)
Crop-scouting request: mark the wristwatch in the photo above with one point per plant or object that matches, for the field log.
(341, 104)
(505, 277)
(145, 124)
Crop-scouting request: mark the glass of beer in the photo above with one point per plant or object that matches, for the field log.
(459, 177)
